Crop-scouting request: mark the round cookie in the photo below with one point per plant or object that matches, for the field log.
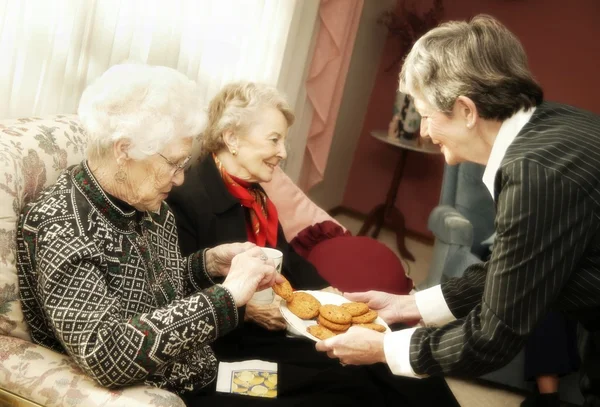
(370, 316)
(320, 331)
(332, 325)
(284, 290)
(304, 305)
(373, 326)
(355, 308)
(335, 313)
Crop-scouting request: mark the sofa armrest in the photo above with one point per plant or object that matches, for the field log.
(453, 239)
(449, 226)
(48, 378)
(457, 262)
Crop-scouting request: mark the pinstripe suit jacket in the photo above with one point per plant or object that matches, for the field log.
(546, 254)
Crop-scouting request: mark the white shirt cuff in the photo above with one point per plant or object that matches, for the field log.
(433, 307)
(396, 346)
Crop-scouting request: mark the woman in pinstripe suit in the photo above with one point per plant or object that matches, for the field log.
(479, 102)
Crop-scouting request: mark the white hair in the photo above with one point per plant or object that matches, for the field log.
(149, 105)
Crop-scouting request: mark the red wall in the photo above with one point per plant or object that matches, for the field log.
(562, 40)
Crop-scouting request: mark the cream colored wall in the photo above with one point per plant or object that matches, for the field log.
(364, 63)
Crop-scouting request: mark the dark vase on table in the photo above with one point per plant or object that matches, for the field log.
(408, 120)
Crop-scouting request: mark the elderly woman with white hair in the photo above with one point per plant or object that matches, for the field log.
(100, 271)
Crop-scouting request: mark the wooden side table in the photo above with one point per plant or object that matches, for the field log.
(387, 211)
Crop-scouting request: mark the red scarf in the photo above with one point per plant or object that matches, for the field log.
(262, 225)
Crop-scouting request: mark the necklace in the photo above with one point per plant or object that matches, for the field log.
(156, 277)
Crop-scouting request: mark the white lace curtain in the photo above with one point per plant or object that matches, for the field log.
(51, 49)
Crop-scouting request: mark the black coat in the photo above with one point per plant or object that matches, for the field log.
(208, 215)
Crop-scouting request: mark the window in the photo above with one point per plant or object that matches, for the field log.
(52, 49)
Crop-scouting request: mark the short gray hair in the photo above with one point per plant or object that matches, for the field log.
(232, 109)
(480, 59)
(149, 105)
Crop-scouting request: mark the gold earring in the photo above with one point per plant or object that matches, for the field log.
(121, 175)
(234, 152)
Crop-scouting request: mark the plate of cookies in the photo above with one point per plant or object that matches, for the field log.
(320, 315)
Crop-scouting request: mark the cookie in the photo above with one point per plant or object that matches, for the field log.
(320, 332)
(304, 305)
(332, 325)
(356, 308)
(335, 313)
(284, 290)
(373, 326)
(370, 316)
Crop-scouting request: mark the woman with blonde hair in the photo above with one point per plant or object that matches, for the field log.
(222, 200)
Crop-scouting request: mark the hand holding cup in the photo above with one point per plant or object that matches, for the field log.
(250, 271)
(264, 294)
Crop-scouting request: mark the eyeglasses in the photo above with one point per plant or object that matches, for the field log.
(176, 168)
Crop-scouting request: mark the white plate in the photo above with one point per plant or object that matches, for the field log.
(298, 325)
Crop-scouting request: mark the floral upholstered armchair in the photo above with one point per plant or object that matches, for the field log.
(33, 152)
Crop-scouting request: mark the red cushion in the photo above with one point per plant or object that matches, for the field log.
(360, 263)
(312, 235)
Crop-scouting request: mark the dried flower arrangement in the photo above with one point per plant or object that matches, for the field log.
(407, 25)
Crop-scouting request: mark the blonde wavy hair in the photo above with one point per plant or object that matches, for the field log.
(233, 107)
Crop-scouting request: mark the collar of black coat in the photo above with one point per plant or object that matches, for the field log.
(207, 173)
(118, 213)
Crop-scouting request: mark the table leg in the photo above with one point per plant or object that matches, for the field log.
(396, 220)
(389, 212)
(375, 217)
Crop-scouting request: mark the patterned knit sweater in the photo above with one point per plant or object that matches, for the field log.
(109, 287)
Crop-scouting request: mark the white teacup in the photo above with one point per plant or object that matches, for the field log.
(267, 295)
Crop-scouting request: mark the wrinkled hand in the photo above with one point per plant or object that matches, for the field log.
(390, 307)
(218, 259)
(267, 316)
(358, 346)
(250, 273)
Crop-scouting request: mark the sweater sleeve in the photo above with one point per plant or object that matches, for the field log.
(87, 317)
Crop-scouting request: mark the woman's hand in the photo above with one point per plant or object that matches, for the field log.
(268, 316)
(390, 307)
(218, 259)
(358, 346)
(250, 271)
